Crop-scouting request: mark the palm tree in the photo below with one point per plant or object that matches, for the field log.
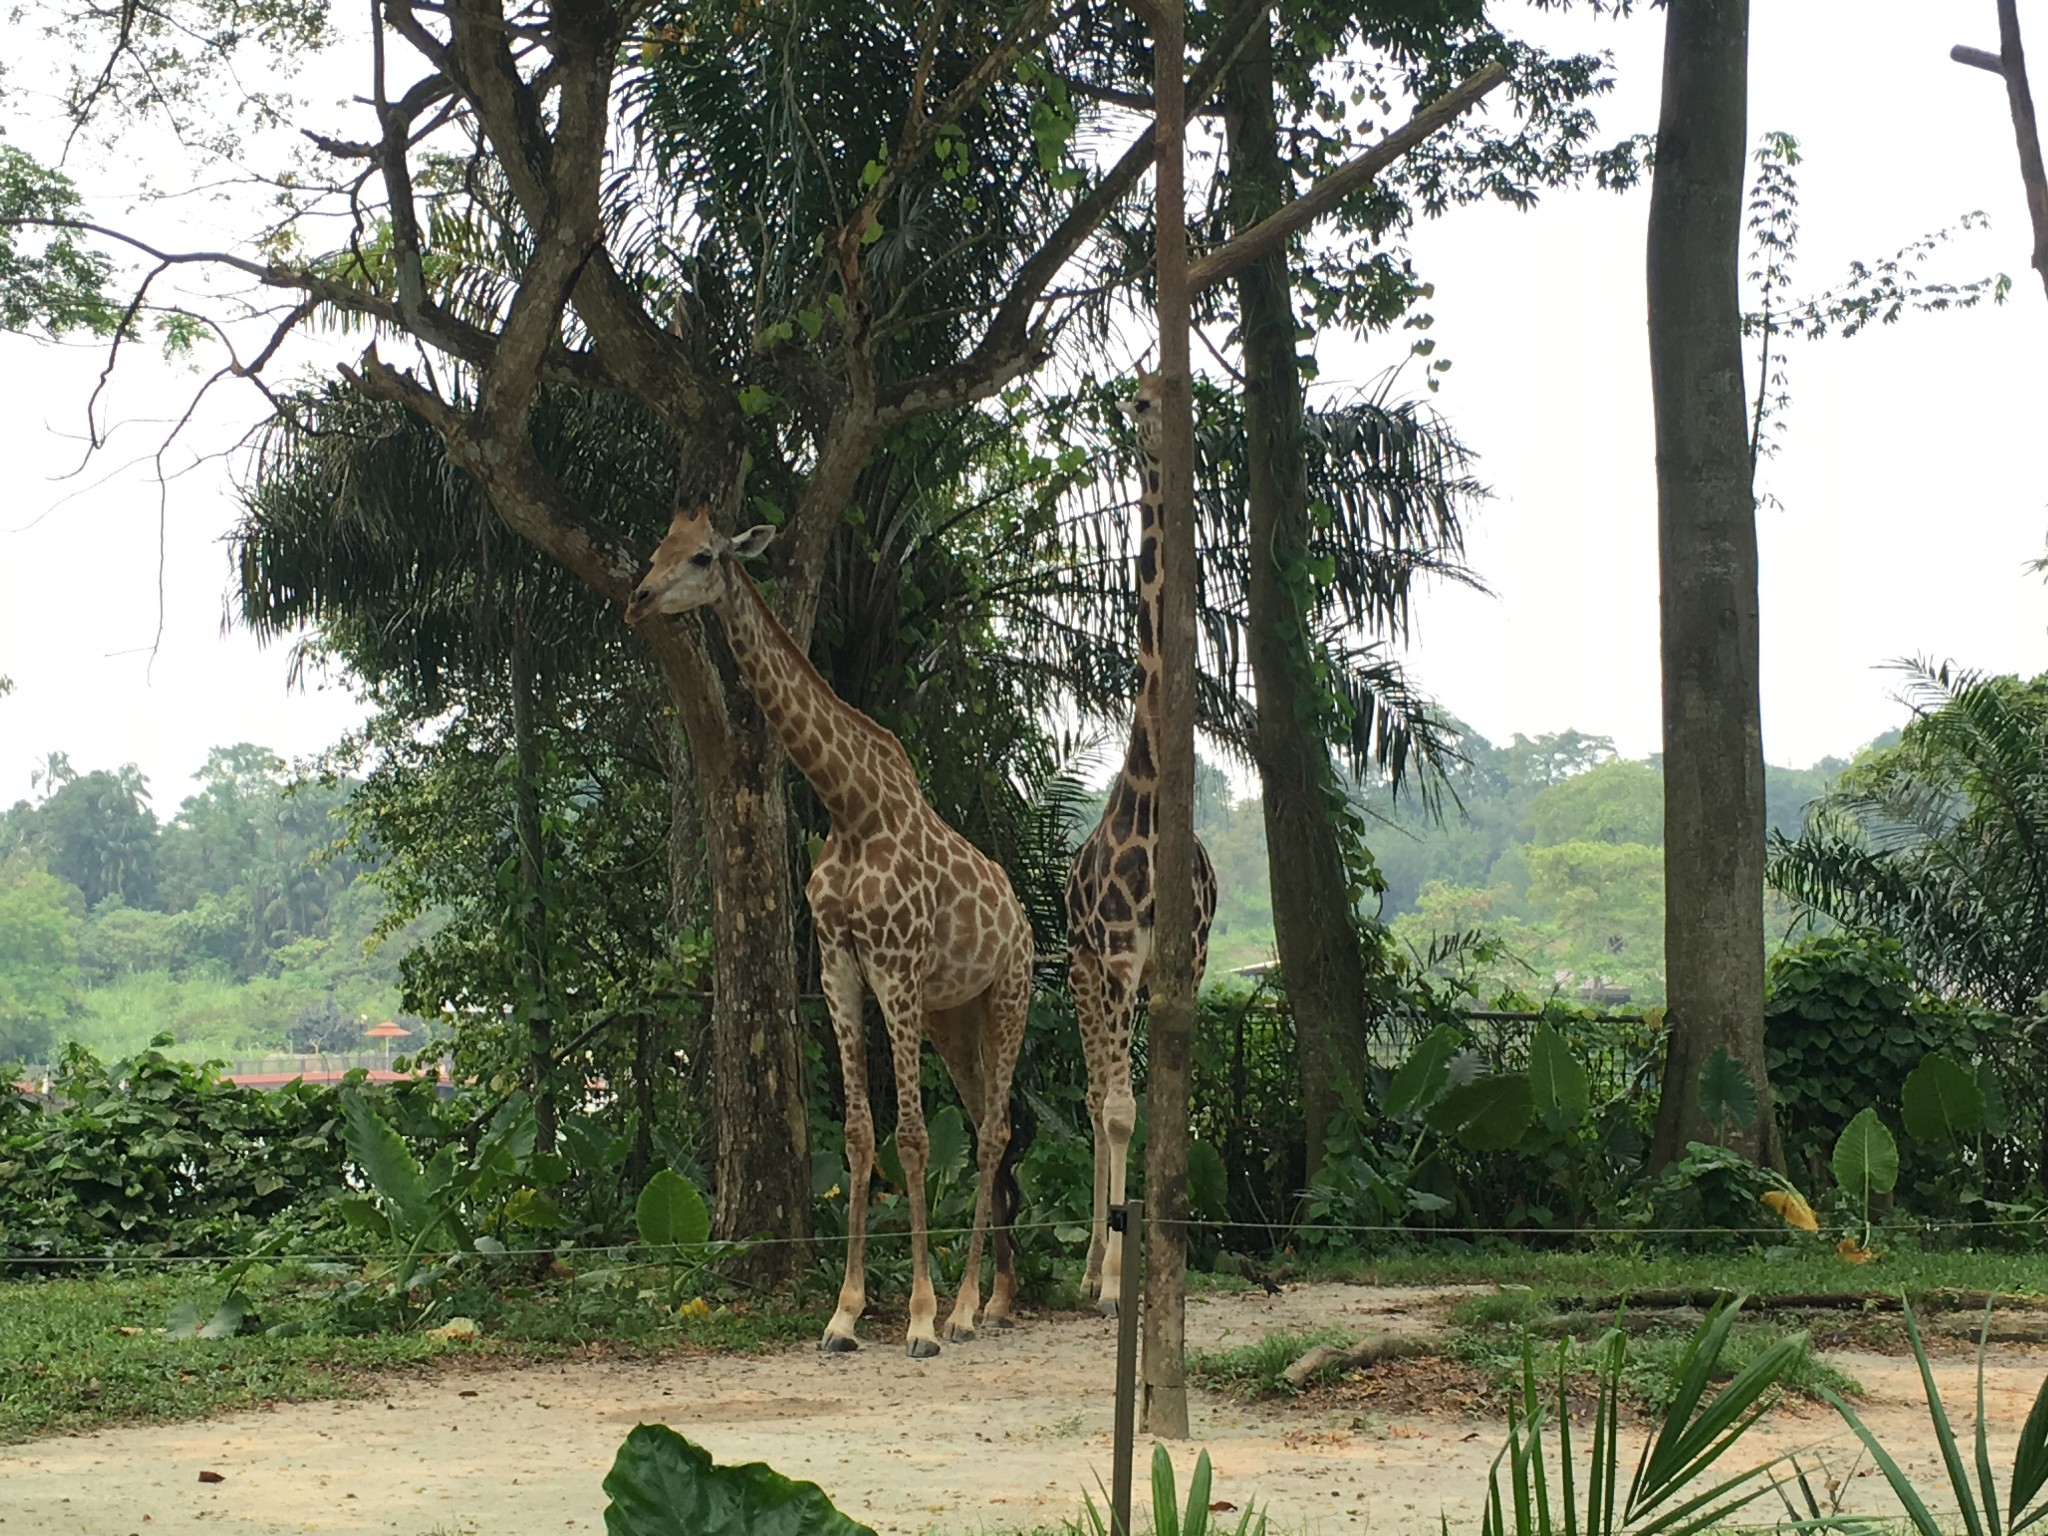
(1941, 842)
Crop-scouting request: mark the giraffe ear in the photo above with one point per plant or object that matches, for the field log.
(749, 544)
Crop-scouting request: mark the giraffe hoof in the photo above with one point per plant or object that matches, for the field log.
(1106, 1307)
(1000, 1324)
(923, 1349)
(955, 1334)
(839, 1344)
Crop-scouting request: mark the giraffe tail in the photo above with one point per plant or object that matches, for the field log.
(1023, 1129)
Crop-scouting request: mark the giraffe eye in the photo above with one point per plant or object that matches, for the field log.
(702, 557)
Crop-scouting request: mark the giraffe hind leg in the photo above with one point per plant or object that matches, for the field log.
(843, 1000)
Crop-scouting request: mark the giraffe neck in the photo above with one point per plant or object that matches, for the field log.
(849, 760)
(1141, 767)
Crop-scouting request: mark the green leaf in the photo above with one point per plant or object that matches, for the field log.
(227, 1318)
(1727, 1096)
(1557, 1080)
(189, 1321)
(360, 1212)
(2029, 1459)
(671, 1213)
(1939, 1101)
(1488, 1114)
(1165, 1498)
(662, 1485)
(388, 1164)
(1866, 1158)
(1424, 1074)
(185, 1321)
(948, 1151)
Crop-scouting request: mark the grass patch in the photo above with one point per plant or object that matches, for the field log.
(1490, 1338)
(1515, 1307)
(80, 1352)
(1806, 1267)
(65, 1363)
(1254, 1370)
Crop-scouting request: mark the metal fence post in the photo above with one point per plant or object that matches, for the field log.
(1128, 1219)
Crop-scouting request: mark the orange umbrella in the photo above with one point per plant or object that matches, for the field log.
(388, 1032)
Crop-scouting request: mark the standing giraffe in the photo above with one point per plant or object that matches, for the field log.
(898, 898)
(1109, 892)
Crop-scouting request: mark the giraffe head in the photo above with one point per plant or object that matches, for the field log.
(1143, 410)
(693, 565)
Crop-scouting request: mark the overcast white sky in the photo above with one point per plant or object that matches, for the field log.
(1912, 483)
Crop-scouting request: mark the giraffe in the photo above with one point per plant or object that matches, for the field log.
(1109, 891)
(900, 901)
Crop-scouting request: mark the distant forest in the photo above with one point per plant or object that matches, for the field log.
(251, 919)
(1549, 849)
(240, 924)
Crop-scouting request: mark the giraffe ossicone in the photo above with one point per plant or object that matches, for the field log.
(901, 904)
(1109, 889)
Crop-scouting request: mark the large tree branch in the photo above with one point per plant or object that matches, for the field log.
(1322, 198)
(530, 500)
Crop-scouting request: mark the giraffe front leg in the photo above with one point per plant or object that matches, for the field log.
(842, 987)
(1084, 977)
(1119, 1120)
(913, 1149)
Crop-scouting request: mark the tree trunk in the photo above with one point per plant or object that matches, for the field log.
(1171, 1023)
(1706, 527)
(1321, 963)
(760, 1133)
(538, 1004)
(2012, 62)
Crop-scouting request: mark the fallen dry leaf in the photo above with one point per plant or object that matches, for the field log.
(211, 1477)
(1792, 1206)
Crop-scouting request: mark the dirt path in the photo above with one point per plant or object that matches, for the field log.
(998, 1435)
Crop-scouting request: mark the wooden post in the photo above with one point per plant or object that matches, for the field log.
(1125, 1219)
(1171, 1025)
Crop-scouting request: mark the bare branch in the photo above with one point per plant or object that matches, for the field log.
(1009, 346)
(1976, 58)
(2012, 62)
(1348, 178)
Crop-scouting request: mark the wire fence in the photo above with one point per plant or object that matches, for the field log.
(2036, 1223)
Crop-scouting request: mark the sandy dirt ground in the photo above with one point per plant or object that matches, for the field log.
(1000, 1434)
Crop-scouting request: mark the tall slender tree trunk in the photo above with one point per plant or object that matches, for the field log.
(1706, 549)
(760, 1134)
(1321, 961)
(1171, 1010)
(538, 1005)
